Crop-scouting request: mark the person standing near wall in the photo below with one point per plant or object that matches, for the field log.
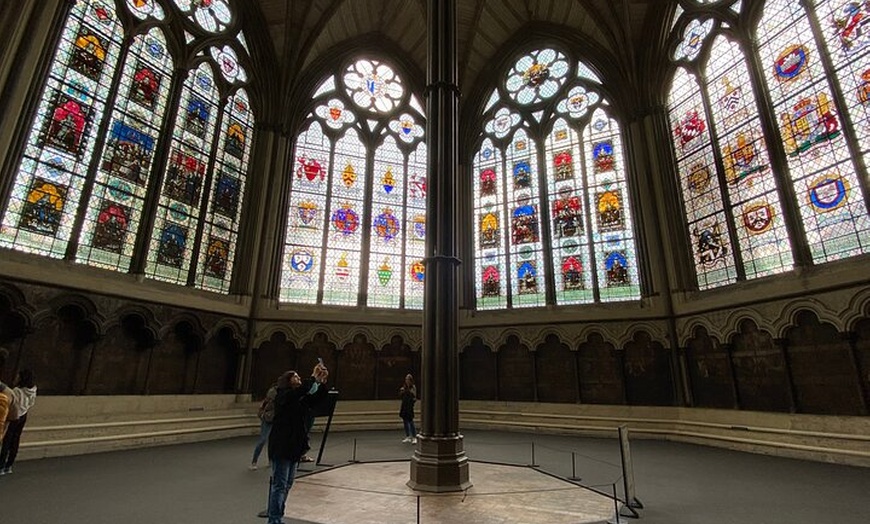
(408, 392)
(266, 414)
(288, 440)
(23, 397)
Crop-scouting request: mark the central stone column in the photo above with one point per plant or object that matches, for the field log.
(439, 463)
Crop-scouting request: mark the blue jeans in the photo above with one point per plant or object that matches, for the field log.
(283, 473)
(410, 429)
(265, 428)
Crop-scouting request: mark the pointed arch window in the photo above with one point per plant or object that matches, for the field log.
(764, 187)
(87, 186)
(356, 225)
(552, 203)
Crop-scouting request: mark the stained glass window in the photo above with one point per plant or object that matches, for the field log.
(115, 209)
(709, 234)
(735, 214)
(750, 180)
(537, 76)
(356, 226)
(211, 15)
(821, 166)
(578, 239)
(60, 149)
(218, 246)
(174, 233)
(85, 183)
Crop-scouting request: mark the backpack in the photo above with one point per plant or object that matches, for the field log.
(267, 408)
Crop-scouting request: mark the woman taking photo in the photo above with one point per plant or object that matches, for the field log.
(408, 392)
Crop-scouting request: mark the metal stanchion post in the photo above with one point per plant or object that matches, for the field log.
(616, 519)
(353, 457)
(533, 464)
(574, 476)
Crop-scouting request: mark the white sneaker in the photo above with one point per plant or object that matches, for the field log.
(413, 441)
(253, 466)
(406, 439)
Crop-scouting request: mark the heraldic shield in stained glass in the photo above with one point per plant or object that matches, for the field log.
(345, 220)
(527, 278)
(145, 86)
(828, 192)
(306, 212)
(616, 269)
(417, 271)
(811, 121)
(525, 224)
(129, 153)
(65, 128)
(741, 159)
(89, 54)
(609, 211)
(710, 247)
(386, 226)
(301, 263)
(235, 142)
(184, 178)
(491, 281)
(567, 214)
(226, 195)
(196, 118)
(852, 25)
(490, 234)
(173, 242)
(385, 272)
(110, 230)
(309, 169)
(418, 225)
(572, 274)
(216, 256)
(758, 217)
(43, 208)
(689, 129)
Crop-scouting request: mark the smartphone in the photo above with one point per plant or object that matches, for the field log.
(320, 362)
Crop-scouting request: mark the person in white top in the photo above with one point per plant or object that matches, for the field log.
(23, 397)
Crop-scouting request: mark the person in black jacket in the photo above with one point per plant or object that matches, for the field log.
(288, 440)
(408, 392)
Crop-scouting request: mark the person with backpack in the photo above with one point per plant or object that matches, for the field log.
(266, 414)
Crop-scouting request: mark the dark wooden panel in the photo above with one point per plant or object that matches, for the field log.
(515, 380)
(648, 373)
(356, 371)
(216, 368)
(477, 375)
(395, 360)
(557, 372)
(270, 360)
(57, 354)
(759, 370)
(601, 380)
(168, 367)
(118, 365)
(862, 355)
(710, 372)
(823, 371)
(306, 358)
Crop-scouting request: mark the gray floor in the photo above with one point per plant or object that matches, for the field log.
(210, 483)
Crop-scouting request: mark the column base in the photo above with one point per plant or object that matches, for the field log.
(439, 465)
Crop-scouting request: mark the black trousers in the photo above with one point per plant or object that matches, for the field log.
(11, 441)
